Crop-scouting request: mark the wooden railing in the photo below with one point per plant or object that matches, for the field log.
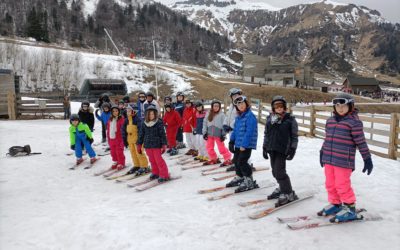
(382, 131)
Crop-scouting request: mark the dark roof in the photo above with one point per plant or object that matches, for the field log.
(362, 81)
(5, 71)
(105, 81)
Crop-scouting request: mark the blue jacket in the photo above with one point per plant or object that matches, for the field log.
(104, 117)
(245, 132)
(179, 106)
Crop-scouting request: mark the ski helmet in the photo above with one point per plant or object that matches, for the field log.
(344, 98)
(132, 107)
(85, 103)
(150, 94)
(216, 101)
(180, 94)
(168, 98)
(74, 117)
(105, 97)
(106, 105)
(151, 107)
(235, 91)
(126, 99)
(278, 98)
(169, 105)
(198, 104)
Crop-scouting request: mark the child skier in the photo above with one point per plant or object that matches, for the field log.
(80, 134)
(172, 122)
(86, 114)
(105, 114)
(115, 140)
(198, 133)
(152, 137)
(213, 132)
(179, 107)
(344, 133)
(280, 143)
(130, 133)
(99, 104)
(189, 125)
(242, 141)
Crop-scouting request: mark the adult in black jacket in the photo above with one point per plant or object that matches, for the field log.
(86, 114)
(280, 143)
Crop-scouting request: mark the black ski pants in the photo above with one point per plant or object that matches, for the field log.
(278, 164)
(240, 159)
(103, 131)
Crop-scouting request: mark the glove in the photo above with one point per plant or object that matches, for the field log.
(91, 141)
(73, 147)
(222, 138)
(368, 166)
(320, 158)
(205, 136)
(265, 153)
(227, 128)
(139, 148)
(291, 153)
(232, 146)
(194, 132)
(163, 149)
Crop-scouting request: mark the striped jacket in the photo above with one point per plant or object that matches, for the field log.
(342, 136)
(245, 132)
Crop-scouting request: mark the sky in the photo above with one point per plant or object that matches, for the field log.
(389, 9)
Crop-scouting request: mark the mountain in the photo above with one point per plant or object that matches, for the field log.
(332, 37)
(133, 25)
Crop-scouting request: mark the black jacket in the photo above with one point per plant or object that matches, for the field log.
(282, 135)
(87, 117)
(154, 136)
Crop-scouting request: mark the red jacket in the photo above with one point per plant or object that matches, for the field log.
(172, 119)
(189, 120)
(118, 134)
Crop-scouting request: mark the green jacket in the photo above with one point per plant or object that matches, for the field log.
(83, 131)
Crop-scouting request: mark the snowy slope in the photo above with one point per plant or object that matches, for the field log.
(43, 205)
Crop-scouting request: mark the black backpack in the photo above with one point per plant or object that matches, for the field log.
(20, 151)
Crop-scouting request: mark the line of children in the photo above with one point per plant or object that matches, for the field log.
(115, 139)
(130, 133)
(153, 139)
(172, 122)
(214, 133)
(198, 133)
(189, 125)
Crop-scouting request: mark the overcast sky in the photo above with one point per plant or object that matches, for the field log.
(389, 9)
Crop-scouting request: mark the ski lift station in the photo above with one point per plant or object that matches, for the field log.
(93, 88)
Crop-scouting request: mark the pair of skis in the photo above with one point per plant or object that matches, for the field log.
(224, 172)
(148, 183)
(87, 167)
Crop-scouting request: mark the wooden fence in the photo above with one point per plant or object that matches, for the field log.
(312, 119)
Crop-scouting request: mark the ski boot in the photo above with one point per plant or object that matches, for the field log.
(204, 159)
(173, 152)
(93, 160)
(189, 152)
(235, 182)
(120, 167)
(114, 165)
(153, 176)
(162, 180)
(79, 161)
(286, 198)
(103, 140)
(181, 145)
(133, 170)
(330, 209)
(142, 171)
(275, 194)
(195, 153)
(211, 162)
(247, 184)
(231, 168)
(198, 158)
(348, 213)
(226, 163)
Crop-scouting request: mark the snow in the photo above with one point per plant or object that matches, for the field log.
(43, 205)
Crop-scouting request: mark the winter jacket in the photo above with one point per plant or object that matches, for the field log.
(281, 135)
(342, 136)
(140, 113)
(179, 106)
(215, 127)
(231, 116)
(130, 130)
(245, 132)
(152, 134)
(199, 122)
(66, 104)
(82, 130)
(172, 120)
(103, 117)
(189, 120)
(120, 125)
(87, 117)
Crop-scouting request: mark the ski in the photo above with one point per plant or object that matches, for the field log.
(154, 184)
(253, 202)
(104, 153)
(197, 166)
(269, 210)
(324, 222)
(265, 184)
(92, 164)
(108, 174)
(224, 177)
(75, 166)
(117, 176)
(210, 169)
(224, 171)
(309, 217)
(140, 183)
(103, 172)
(212, 190)
(129, 177)
(177, 157)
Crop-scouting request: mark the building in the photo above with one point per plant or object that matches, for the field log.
(93, 88)
(271, 71)
(361, 85)
(7, 84)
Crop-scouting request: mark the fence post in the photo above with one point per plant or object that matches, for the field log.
(11, 101)
(393, 136)
(312, 120)
(260, 108)
(289, 108)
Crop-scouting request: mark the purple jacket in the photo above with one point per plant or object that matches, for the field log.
(343, 135)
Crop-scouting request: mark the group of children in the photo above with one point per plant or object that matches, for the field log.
(147, 133)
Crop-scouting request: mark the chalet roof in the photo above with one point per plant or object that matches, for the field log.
(105, 81)
(362, 81)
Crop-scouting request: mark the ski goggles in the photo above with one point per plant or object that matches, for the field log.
(238, 100)
(279, 105)
(340, 101)
(142, 97)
